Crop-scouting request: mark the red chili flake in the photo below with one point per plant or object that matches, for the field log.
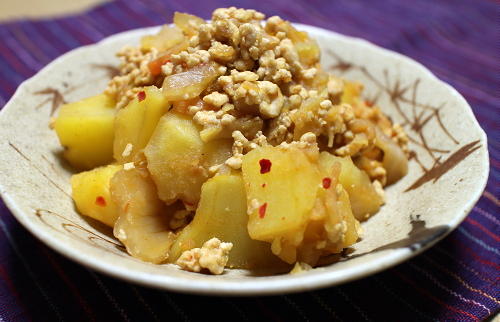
(265, 165)
(369, 103)
(264, 185)
(141, 96)
(100, 201)
(262, 210)
(327, 182)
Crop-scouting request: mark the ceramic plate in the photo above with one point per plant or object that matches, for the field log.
(447, 171)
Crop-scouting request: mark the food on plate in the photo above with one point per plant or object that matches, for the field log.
(92, 196)
(80, 125)
(224, 143)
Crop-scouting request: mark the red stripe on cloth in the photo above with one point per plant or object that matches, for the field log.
(494, 163)
(88, 28)
(476, 257)
(432, 297)
(82, 37)
(52, 38)
(470, 269)
(487, 215)
(29, 44)
(22, 52)
(491, 197)
(459, 279)
(12, 59)
(486, 231)
(110, 15)
(6, 86)
(40, 39)
(144, 19)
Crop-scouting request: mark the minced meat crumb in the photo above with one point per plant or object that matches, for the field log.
(213, 256)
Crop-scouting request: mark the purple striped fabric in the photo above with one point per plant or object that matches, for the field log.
(457, 280)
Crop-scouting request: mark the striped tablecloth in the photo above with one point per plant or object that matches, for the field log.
(457, 280)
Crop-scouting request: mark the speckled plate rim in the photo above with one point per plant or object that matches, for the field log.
(269, 285)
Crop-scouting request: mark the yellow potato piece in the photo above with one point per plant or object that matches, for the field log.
(337, 201)
(362, 194)
(331, 227)
(280, 199)
(216, 152)
(136, 122)
(179, 161)
(222, 213)
(85, 130)
(143, 222)
(174, 159)
(296, 204)
(90, 191)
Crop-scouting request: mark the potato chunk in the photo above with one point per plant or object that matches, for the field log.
(143, 222)
(296, 204)
(90, 191)
(174, 159)
(338, 205)
(222, 213)
(281, 187)
(85, 130)
(135, 123)
(362, 194)
(179, 161)
(332, 226)
(281, 190)
(216, 152)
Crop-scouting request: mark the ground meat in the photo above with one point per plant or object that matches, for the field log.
(213, 256)
(242, 145)
(222, 53)
(134, 73)
(216, 99)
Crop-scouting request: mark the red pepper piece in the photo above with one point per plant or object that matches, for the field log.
(262, 210)
(265, 166)
(100, 201)
(141, 96)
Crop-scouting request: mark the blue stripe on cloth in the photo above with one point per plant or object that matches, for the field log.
(456, 280)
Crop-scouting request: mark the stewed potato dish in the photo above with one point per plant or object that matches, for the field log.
(226, 144)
